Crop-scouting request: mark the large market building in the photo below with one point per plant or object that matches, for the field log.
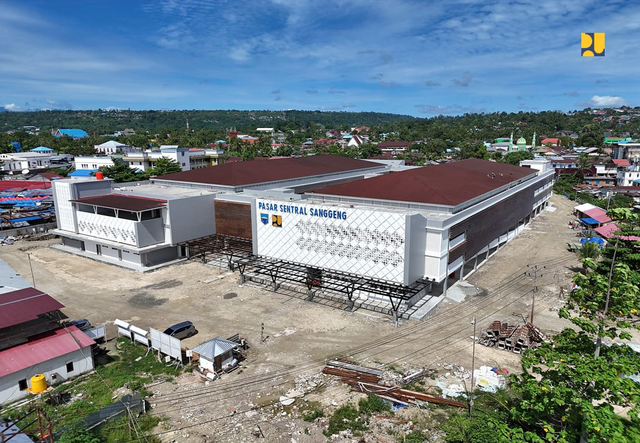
(371, 232)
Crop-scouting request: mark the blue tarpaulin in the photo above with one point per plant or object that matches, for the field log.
(23, 219)
(589, 221)
(597, 240)
(83, 172)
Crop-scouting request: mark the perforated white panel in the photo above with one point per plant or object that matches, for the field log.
(369, 243)
(110, 228)
(64, 208)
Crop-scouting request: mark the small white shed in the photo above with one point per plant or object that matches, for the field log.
(216, 354)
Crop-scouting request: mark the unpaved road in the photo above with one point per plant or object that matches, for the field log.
(300, 334)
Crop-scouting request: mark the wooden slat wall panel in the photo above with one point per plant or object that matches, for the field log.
(233, 219)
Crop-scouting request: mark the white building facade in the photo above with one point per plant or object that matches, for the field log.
(135, 226)
(20, 161)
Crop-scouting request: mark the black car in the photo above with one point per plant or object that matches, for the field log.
(182, 330)
(83, 324)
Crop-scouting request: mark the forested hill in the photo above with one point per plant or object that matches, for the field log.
(102, 121)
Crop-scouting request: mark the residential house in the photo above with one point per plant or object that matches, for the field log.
(551, 141)
(20, 161)
(114, 147)
(357, 140)
(85, 166)
(33, 339)
(628, 175)
(187, 158)
(42, 150)
(394, 147)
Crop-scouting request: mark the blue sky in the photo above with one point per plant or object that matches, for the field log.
(403, 56)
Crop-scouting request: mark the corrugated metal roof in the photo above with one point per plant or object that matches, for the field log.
(621, 162)
(447, 184)
(246, 173)
(10, 280)
(124, 202)
(598, 214)
(25, 304)
(215, 347)
(41, 348)
(75, 133)
(585, 207)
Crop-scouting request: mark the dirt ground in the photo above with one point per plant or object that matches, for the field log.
(301, 334)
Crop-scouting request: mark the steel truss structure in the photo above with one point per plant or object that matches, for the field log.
(239, 256)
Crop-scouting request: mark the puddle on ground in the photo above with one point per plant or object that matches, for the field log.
(229, 295)
(167, 284)
(146, 300)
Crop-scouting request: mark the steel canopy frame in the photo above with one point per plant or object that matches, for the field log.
(218, 244)
(239, 252)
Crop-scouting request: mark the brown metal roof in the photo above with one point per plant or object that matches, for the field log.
(446, 184)
(23, 305)
(124, 202)
(251, 172)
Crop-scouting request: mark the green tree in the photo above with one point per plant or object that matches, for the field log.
(164, 166)
(514, 158)
(592, 136)
(121, 172)
(589, 250)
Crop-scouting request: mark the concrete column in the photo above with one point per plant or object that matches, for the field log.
(242, 279)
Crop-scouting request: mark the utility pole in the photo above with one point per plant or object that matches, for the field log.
(33, 279)
(534, 274)
(473, 367)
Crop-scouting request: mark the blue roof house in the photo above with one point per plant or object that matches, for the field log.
(42, 150)
(75, 134)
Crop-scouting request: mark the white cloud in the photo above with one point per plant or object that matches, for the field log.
(12, 107)
(605, 101)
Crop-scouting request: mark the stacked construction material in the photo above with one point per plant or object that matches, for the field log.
(511, 337)
(367, 380)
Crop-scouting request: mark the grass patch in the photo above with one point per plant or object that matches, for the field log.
(355, 418)
(111, 373)
(123, 430)
(312, 410)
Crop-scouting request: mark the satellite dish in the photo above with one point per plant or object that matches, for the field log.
(10, 172)
(25, 171)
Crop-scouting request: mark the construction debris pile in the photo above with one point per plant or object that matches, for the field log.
(512, 338)
(368, 381)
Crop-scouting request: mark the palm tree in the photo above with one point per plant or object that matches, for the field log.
(589, 250)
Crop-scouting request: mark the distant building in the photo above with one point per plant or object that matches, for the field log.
(114, 147)
(539, 163)
(75, 134)
(19, 161)
(394, 147)
(550, 141)
(187, 158)
(42, 150)
(357, 140)
(92, 163)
